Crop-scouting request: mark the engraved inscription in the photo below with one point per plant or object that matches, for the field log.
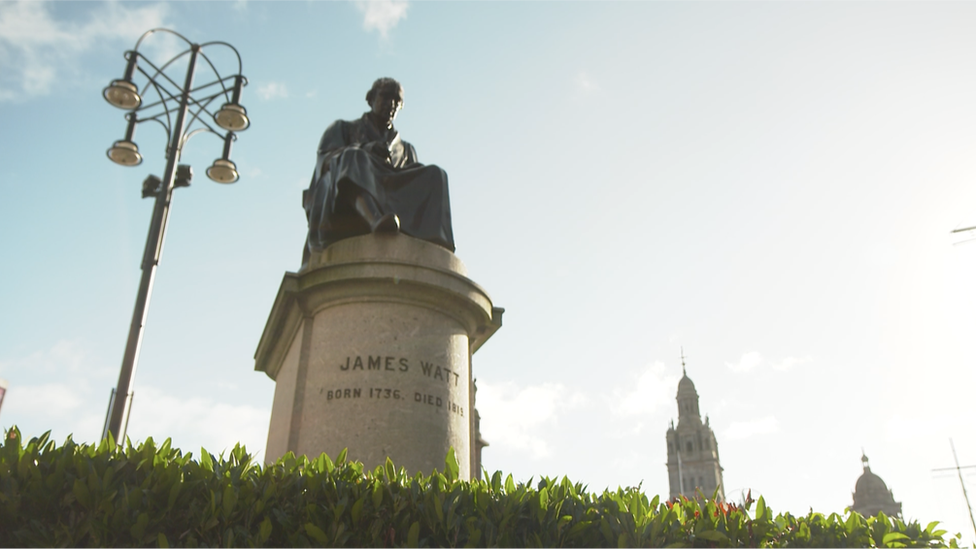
(386, 363)
(430, 369)
(378, 363)
(357, 392)
(384, 393)
(422, 398)
(337, 394)
(428, 399)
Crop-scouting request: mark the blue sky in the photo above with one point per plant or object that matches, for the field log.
(770, 185)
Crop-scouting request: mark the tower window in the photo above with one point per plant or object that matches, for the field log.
(689, 446)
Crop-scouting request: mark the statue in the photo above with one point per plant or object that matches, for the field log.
(367, 179)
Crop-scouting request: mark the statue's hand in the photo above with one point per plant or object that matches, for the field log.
(380, 150)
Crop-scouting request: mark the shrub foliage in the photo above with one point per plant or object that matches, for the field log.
(149, 495)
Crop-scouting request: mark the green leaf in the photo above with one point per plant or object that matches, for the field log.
(575, 530)
(713, 535)
(316, 533)
(509, 485)
(543, 503)
(174, 492)
(80, 490)
(413, 536)
(390, 470)
(451, 467)
(496, 481)
(891, 537)
(475, 539)
(139, 528)
(161, 537)
(377, 494)
(803, 532)
(265, 532)
(205, 461)
(229, 501)
(761, 509)
(357, 510)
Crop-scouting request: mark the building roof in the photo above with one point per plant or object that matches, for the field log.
(686, 387)
(872, 495)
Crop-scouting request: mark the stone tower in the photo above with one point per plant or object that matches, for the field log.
(871, 494)
(693, 463)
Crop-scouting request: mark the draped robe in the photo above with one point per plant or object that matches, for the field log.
(416, 193)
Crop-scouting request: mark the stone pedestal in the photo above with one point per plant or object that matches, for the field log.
(370, 347)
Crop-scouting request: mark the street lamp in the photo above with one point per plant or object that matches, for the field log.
(174, 102)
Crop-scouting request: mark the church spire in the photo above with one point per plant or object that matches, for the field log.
(687, 396)
(693, 463)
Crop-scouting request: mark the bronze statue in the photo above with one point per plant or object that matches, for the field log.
(367, 179)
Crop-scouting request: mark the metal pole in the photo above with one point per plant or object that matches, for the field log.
(150, 260)
(963, 484)
(108, 412)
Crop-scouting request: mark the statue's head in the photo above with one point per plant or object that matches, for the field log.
(385, 100)
(385, 83)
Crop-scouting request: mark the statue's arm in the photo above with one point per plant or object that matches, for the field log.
(334, 139)
(341, 135)
(409, 156)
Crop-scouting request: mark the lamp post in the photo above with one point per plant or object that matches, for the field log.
(174, 106)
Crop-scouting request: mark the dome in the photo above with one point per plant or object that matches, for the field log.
(869, 483)
(871, 494)
(686, 386)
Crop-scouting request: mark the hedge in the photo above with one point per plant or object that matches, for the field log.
(147, 495)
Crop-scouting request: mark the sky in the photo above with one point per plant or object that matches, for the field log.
(770, 186)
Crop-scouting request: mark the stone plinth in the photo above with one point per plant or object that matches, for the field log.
(370, 347)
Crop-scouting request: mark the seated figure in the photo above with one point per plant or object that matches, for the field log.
(367, 179)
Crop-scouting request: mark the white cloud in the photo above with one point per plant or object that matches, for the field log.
(50, 400)
(67, 355)
(790, 362)
(382, 15)
(753, 359)
(514, 417)
(35, 48)
(198, 422)
(586, 84)
(272, 90)
(744, 429)
(66, 390)
(747, 363)
(651, 390)
(63, 408)
(51, 389)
